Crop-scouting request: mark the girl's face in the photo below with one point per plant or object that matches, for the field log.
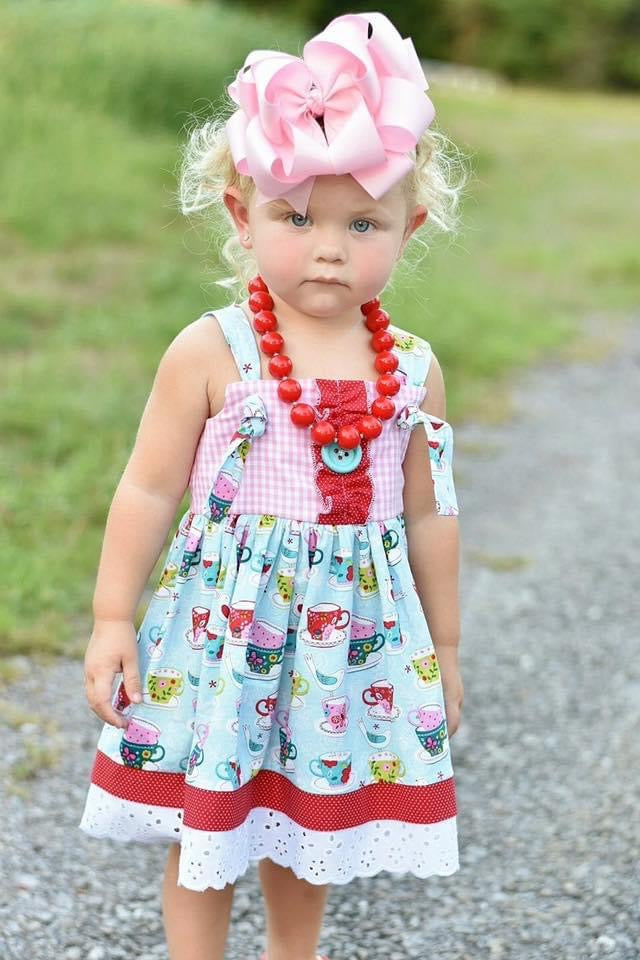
(339, 255)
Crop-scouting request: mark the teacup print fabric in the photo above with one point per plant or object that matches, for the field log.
(293, 704)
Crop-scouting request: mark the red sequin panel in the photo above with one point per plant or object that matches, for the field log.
(350, 494)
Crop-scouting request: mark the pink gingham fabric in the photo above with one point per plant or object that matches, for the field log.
(279, 475)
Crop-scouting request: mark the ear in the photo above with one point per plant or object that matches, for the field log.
(237, 207)
(416, 219)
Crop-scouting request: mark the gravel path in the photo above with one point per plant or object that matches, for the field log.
(547, 757)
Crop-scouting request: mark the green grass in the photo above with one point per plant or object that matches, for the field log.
(99, 270)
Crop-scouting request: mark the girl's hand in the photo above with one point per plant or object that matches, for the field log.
(451, 685)
(112, 649)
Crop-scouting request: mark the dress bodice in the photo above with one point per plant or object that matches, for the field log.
(284, 474)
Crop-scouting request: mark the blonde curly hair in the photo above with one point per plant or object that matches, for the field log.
(207, 170)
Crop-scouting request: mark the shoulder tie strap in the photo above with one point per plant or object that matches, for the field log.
(240, 337)
(439, 436)
(414, 356)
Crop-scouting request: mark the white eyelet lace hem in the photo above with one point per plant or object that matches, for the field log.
(218, 858)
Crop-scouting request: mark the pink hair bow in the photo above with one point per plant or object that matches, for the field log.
(361, 80)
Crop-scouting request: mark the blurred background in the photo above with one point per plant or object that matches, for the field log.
(100, 270)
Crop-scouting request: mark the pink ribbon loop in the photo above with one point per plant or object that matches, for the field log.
(354, 103)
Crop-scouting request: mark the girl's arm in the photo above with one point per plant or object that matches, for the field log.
(434, 551)
(144, 507)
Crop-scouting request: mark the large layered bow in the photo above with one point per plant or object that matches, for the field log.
(354, 103)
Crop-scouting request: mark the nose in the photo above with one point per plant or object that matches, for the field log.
(330, 246)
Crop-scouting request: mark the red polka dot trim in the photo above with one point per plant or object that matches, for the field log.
(226, 810)
(349, 494)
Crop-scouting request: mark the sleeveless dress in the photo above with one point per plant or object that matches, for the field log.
(293, 705)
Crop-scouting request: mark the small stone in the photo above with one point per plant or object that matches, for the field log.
(97, 952)
(571, 889)
(605, 943)
(73, 953)
(27, 882)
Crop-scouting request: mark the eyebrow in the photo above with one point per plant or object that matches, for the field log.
(363, 212)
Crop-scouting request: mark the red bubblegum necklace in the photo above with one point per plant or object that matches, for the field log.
(348, 436)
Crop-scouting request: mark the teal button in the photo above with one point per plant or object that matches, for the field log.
(339, 459)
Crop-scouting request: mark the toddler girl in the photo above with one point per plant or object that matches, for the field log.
(291, 693)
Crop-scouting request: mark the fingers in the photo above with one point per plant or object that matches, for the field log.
(131, 679)
(98, 691)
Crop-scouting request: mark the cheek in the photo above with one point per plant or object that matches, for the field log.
(376, 259)
(278, 256)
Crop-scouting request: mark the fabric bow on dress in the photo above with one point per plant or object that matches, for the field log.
(354, 103)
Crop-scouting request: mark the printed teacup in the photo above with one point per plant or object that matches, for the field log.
(379, 694)
(265, 648)
(367, 580)
(288, 749)
(433, 741)
(164, 685)
(323, 619)
(137, 754)
(167, 580)
(229, 770)
(220, 498)
(199, 620)
(364, 641)
(266, 522)
(261, 564)
(392, 634)
(334, 767)
(386, 767)
(390, 540)
(142, 731)
(336, 711)
(240, 618)
(431, 727)
(214, 645)
(315, 553)
(121, 701)
(139, 744)
(265, 708)
(341, 569)
(210, 568)
(243, 553)
(285, 577)
(299, 686)
(195, 759)
(425, 664)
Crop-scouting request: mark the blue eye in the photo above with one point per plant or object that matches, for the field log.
(359, 223)
(295, 219)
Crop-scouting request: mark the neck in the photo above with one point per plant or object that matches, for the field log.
(292, 322)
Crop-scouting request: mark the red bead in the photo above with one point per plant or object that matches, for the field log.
(302, 415)
(370, 427)
(272, 342)
(257, 284)
(323, 432)
(388, 384)
(370, 305)
(383, 407)
(289, 390)
(348, 436)
(265, 320)
(382, 340)
(280, 365)
(260, 300)
(377, 320)
(385, 362)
